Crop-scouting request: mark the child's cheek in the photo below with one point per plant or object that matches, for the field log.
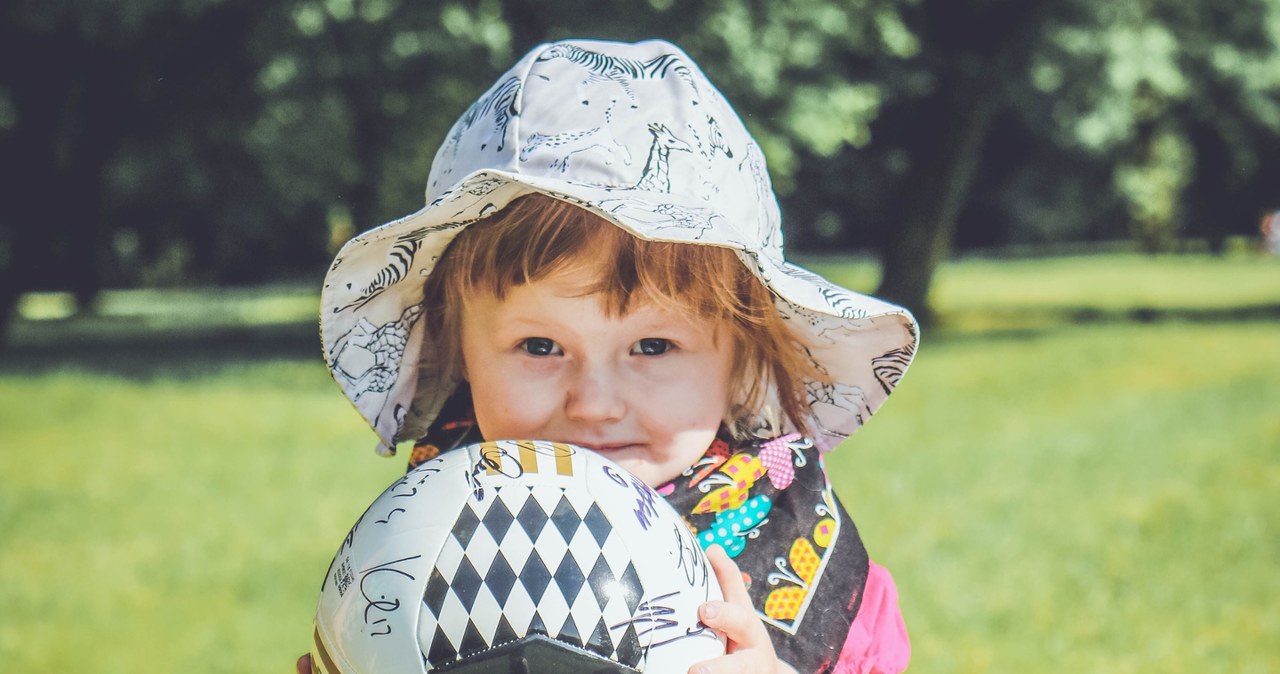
(671, 371)
(543, 367)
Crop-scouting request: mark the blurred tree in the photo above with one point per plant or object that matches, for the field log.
(359, 93)
(108, 113)
(240, 140)
(1092, 113)
(1181, 100)
(971, 57)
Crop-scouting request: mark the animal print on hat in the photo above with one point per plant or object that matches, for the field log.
(636, 134)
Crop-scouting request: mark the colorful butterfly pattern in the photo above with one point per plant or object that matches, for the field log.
(732, 528)
(782, 553)
(738, 475)
(770, 506)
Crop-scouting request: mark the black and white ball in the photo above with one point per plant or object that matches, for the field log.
(516, 557)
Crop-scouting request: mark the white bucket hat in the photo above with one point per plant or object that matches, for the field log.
(636, 134)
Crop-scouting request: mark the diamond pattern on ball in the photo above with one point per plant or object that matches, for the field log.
(529, 560)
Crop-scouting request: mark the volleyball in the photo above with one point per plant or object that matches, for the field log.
(516, 556)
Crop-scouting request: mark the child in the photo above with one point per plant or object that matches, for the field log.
(600, 263)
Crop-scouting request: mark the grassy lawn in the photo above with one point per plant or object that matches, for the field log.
(1081, 472)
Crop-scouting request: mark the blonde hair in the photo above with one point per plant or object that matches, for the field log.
(536, 235)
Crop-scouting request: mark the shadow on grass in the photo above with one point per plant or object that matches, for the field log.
(46, 346)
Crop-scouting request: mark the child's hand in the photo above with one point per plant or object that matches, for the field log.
(304, 664)
(749, 651)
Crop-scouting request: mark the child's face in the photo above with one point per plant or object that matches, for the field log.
(647, 389)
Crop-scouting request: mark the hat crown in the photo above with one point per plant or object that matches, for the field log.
(637, 135)
(637, 119)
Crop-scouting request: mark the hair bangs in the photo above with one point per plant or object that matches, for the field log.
(536, 236)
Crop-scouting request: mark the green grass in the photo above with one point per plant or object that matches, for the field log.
(1081, 472)
(173, 524)
(1099, 499)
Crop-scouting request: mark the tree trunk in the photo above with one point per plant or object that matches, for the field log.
(976, 48)
(38, 154)
(936, 190)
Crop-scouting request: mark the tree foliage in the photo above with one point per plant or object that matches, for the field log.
(222, 141)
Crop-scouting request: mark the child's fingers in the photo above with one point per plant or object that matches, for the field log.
(303, 665)
(741, 626)
(734, 617)
(730, 577)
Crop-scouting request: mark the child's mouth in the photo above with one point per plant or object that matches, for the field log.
(608, 448)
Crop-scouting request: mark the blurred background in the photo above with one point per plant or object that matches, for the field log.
(1080, 199)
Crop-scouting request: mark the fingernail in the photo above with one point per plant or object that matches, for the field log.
(710, 611)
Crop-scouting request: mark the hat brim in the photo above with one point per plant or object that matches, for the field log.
(373, 338)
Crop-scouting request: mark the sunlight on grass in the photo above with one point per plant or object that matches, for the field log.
(982, 294)
(1068, 496)
(162, 308)
(1098, 498)
(46, 306)
(1111, 282)
(204, 511)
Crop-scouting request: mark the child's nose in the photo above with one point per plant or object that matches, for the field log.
(595, 396)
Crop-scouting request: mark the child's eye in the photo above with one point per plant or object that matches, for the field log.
(651, 346)
(540, 346)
